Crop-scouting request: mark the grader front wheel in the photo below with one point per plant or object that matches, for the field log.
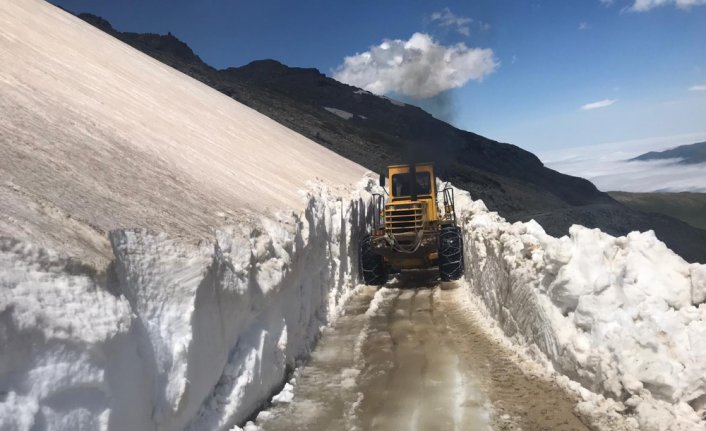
(450, 253)
(373, 270)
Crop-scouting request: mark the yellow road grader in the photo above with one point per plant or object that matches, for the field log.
(410, 230)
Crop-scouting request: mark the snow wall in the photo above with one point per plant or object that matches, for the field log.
(625, 317)
(173, 336)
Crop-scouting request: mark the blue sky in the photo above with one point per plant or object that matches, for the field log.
(548, 59)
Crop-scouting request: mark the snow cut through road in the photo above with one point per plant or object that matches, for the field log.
(409, 358)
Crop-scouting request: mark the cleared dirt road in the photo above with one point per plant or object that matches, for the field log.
(409, 357)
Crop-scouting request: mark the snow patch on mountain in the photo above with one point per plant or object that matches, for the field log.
(625, 317)
(393, 101)
(340, 113)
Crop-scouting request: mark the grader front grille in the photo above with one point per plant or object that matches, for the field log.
(404, 218)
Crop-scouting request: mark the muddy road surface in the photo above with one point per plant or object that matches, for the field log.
(409, 357)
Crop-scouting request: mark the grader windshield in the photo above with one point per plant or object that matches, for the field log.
(402, 185)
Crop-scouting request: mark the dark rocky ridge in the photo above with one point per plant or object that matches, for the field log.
(508, 179)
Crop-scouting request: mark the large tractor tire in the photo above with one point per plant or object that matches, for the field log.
(372, 265)
(450, 253)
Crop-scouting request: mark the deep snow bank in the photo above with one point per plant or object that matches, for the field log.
(179, 336)
(98, 136)
(624, 316)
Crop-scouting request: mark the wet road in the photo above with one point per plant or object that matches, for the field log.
(413, 359)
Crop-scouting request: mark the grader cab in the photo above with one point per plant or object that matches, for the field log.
(410, 229)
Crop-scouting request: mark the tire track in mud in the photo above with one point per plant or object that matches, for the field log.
(423, 387)
(520, 400)
(414, 359)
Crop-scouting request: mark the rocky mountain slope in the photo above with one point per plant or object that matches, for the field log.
(376, 131)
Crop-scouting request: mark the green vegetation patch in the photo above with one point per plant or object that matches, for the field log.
(685, 206)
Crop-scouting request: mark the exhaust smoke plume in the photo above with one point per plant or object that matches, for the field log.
(419, 68)
(443, 106)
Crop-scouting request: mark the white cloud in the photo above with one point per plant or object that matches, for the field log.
(584, 26)
(645, 5)
(446, 18)
(698, 88)
(599, 104)
(419, 68)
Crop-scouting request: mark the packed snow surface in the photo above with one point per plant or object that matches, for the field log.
(625, 317)
(95, 136)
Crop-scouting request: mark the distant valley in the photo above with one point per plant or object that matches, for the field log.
(689, 207)
(642, 166)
